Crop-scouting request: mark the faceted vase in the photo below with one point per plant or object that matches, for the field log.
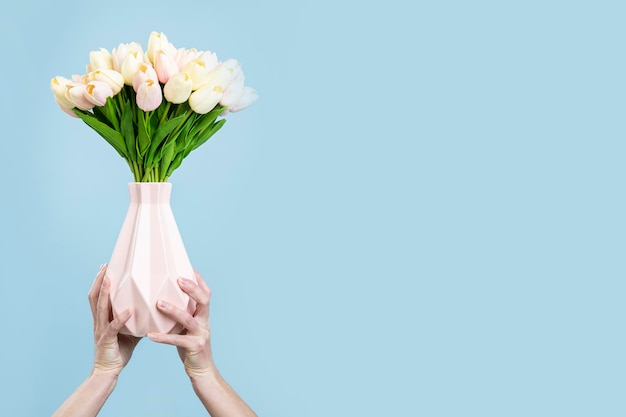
(147, 261)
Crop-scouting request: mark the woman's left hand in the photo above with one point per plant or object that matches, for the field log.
(113, 350)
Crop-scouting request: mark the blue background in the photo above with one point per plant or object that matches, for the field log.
(423, 215)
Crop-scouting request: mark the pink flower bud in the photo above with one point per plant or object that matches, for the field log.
(149, 96)
(165, 67)
(76, 94)
(97, 92)
(144, 72)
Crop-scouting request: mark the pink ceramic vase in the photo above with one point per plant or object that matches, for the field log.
(147, 261)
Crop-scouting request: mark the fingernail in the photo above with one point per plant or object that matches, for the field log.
(184, 281)
(163, 304)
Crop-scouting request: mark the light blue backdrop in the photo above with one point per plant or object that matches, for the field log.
(423, 215)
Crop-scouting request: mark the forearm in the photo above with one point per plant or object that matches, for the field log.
(218, 397)
(89, 397)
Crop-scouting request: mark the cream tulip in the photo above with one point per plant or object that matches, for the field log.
(130, 66)
(120, 54)
(196, 69)
(113, 78)
(101, 59)
(222, 74)
(205, 99)
(144, 72)
(59, 88)
(97, 92)
(158, 42)
(149, 96)
(178, 88)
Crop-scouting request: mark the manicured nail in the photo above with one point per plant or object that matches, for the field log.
(163, 304)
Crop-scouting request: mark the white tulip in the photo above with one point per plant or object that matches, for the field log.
(113, 78)
(178, 88)
(101, 59)
(205, 99)
(234, 91)
(158, 42)
(59, 89)
(249, 96)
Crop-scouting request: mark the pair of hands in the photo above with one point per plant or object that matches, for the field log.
(113, 350)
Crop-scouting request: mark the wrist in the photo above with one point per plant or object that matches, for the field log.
(104, 374)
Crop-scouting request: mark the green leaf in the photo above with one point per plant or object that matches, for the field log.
(143, 139)
(110, 111)
(175, 163)
(206, 135)
(128, 130)
(167, 155)
(205, 120)
(113, 137)
(159, 136)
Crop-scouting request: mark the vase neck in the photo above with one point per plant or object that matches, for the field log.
(150, 192)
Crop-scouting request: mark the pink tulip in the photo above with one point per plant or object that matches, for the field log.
(144, 72)
(249, 96)
(149, 96)
(97, 92)
(65, 109)
(165, 67)
(76, 94)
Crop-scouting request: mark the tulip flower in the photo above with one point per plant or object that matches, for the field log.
(76, 94)
(210, 59)
(196, 69)
(113, 78)
(144, 72)
(178, 88)
(184, 56)
(130, 66)
(149, 96)
(101, 59)
(97, 92)
(165, 67)
(120, 54)
(59, 89)
(66, 109)
(249, 96)
(234, 91)
(158, 42)
(205, 99)
(222, 74)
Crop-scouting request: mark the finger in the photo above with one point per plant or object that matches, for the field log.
(205, 288)
(180, 316)
(189, 342)
(200, 296)
(117, 324)
(95, 289)
(103, 310)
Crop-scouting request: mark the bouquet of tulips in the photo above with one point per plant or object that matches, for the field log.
(154, 107)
